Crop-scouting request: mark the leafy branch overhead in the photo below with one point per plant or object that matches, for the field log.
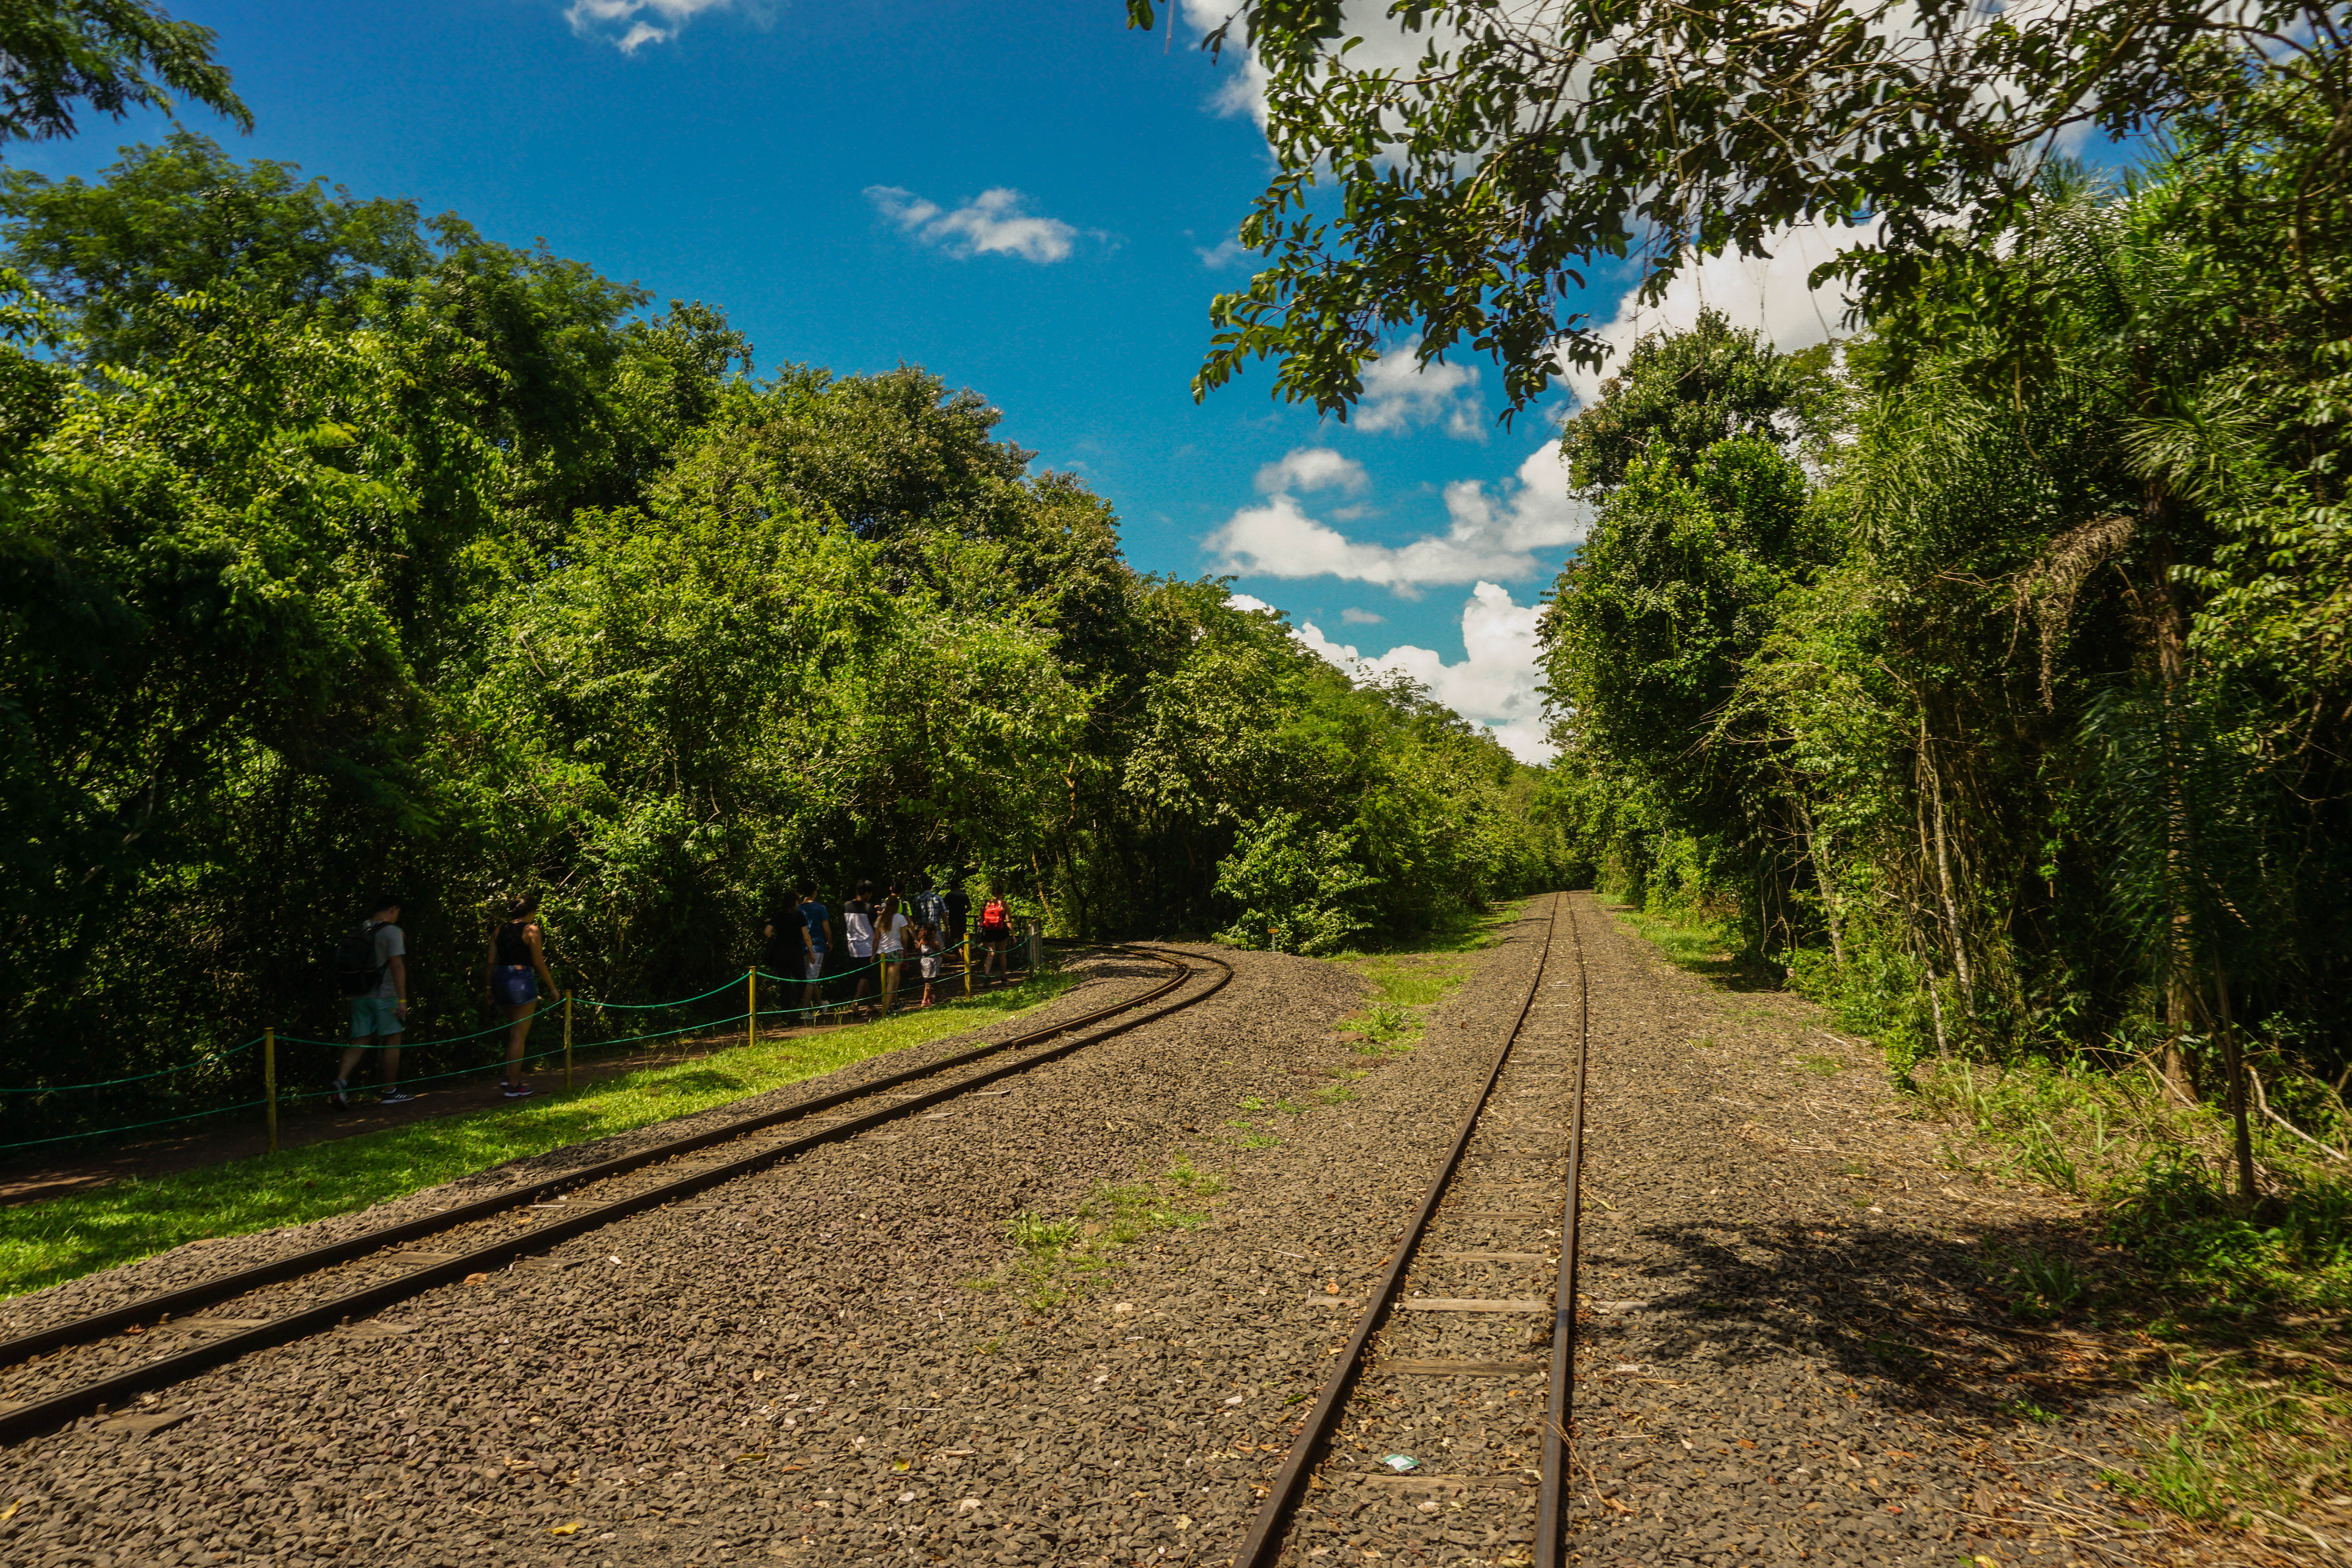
(1462, 169)
(113, 55)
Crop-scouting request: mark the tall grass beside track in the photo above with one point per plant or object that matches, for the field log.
(2246, 1314)
(61, 1238)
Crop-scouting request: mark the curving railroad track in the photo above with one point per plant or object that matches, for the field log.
(87, 1365)
(1478, 1301)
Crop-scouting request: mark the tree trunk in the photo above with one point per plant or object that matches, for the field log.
(2179, 989)
(1943, 868)
(2235, 1067)
(1816, 844)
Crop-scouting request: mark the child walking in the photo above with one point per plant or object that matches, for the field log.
(927, 949)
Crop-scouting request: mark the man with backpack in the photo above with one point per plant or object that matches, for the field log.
(957, 905)
(372, 969)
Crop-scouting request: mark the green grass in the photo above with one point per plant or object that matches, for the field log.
(1407, 983)
(1697, 945)
(2249, 1310)
(60, 1238)
(1055, 1259)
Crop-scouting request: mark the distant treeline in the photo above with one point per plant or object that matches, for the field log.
(344, 551)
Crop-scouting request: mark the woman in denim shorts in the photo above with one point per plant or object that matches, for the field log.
(515, 966)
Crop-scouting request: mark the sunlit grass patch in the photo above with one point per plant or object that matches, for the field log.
(2246, 1441)
(63, 1238)
(1407, 984)
(1056, 1258)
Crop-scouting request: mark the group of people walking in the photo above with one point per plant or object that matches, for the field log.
(882, 932)
(886, 932)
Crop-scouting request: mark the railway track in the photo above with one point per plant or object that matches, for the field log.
(1477, 1308)
(97, 1362)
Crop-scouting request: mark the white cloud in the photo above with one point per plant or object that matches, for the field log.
(1767, 293)
(1312, 468)
(1402, 395)
(1514, 529)
(605, 19)
(1249, 606)
(1356, 617)
(1493, 685)
(1226, 253)
(991, 223)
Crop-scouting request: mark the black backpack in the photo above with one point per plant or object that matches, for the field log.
(357, 972)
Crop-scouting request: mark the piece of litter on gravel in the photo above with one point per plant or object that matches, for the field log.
(1236, 1399)
(968, 1505)
(1402, 1462)
(905, 1496)
(1626, 1368)
(1124, 1307)
(572, 1528)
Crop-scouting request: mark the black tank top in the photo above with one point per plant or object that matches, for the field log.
(512, 950)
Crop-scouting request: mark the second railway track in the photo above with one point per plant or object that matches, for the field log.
(1476, 1313)
(55, 1375)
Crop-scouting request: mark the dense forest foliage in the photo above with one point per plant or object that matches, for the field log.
(343, 553)
(1991, 672)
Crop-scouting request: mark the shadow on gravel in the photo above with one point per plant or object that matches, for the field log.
(1880, 1306)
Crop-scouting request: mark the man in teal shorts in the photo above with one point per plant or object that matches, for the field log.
(380, 1009)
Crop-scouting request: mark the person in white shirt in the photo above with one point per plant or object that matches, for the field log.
(857, 929)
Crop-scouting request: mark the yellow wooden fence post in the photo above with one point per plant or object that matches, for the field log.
(567, 1039)
(967, 964)
(269, 1079)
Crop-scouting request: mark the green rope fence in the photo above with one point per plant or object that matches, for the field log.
(271, 1039)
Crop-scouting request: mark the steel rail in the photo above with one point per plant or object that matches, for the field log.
(204, 1293)
(29, 1419)
(1552, 1511)
(1262, 1545)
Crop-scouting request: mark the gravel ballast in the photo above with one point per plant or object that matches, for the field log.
(850, 1358)
(797, 1364)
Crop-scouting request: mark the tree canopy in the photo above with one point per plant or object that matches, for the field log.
(343, 551)
(1487, 161)
(113, 56)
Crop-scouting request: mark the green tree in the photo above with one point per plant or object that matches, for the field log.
(1516, 154)
(1294, 885)
(112, 55)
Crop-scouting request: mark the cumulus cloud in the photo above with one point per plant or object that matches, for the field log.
(1770, 293)
(1493, 685)
(628, 25)
(1511, 530)
(1312, 468)
(991, 223)
(1402, 395)
(1356, 617)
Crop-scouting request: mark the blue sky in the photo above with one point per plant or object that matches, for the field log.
(1029, 200)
